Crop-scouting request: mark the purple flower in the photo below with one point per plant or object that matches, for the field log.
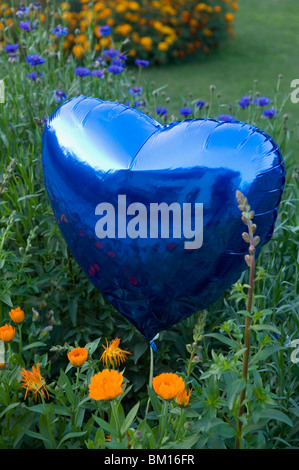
(261, 100)
(34, 75)
(225, 117)
(27, 25)
(11, 48)
(34, 60)
(135, 91)
(82, 71)
(36, 6)
(105, 30)
(122, 57)
(115, 69)
(136, 104)
(22, 11)
(185, 111)
(269, 113)
(142, 63)
(200, 104)
(244, 102)
(99, 61)
(97, 73)
(59, 96)
(161, 111)
(45, 118)
(59, 31)
(119, 62)
(111, 53)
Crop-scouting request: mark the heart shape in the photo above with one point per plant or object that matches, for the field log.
(95, 151)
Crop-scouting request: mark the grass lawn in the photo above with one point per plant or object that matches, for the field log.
(267, 45)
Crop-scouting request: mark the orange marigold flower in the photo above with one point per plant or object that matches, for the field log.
(106, 385)
(17, 315)
(229, 17)
(182, 398)
(77, 356)
(7, 333)
(34, 382)
(113, 353)
(168, 385)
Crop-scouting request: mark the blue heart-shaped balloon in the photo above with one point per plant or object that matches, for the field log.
(106, 163)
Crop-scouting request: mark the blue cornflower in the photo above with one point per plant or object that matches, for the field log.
(122, 57)
(22, 11)
(105, 30)
(82, 71)
(59, 31)
(34, 60)
(97, 73)
(119, 62)
(244, 102)
(34, 75)
(27, 25)
(11, 48)
(99, 61)
(161, 110)
(111, 53)
(36, 6)
(225, 117)
(135, 91)
(115, 69)
(59, 96)
(200, 104)
(185, 111)
(261, 101)
(142, 63)
(269, 113)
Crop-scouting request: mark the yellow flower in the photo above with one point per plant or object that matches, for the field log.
(17, 315)
(7, 333)
(182, 398)
(163, 46)
(78, 51)
(229, 17)
(146, 42)
(113, 353)
(168, 385)
(77, 356)
(34, 382)
(106, 385)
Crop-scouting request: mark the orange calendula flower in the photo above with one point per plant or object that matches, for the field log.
(113, 353)
(7, 333)
(106, 385)
(182, 398)
(17, 315)
(34, 382)
(77, 356)
(168, 385)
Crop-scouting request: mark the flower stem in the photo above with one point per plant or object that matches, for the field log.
(150, 383)
(53, 445)
(114, 412)
(163, 423)
(238, 441)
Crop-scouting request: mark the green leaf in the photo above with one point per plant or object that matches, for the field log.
(9, 407)
(271, 413)
(70, 435)
(266, 327)
(5, 298)
(234, 389)
(129, 419)
(106, 426)
(223, 339)
(33, 345)
(36, 435)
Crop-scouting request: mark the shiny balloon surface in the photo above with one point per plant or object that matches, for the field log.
(94, 151)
